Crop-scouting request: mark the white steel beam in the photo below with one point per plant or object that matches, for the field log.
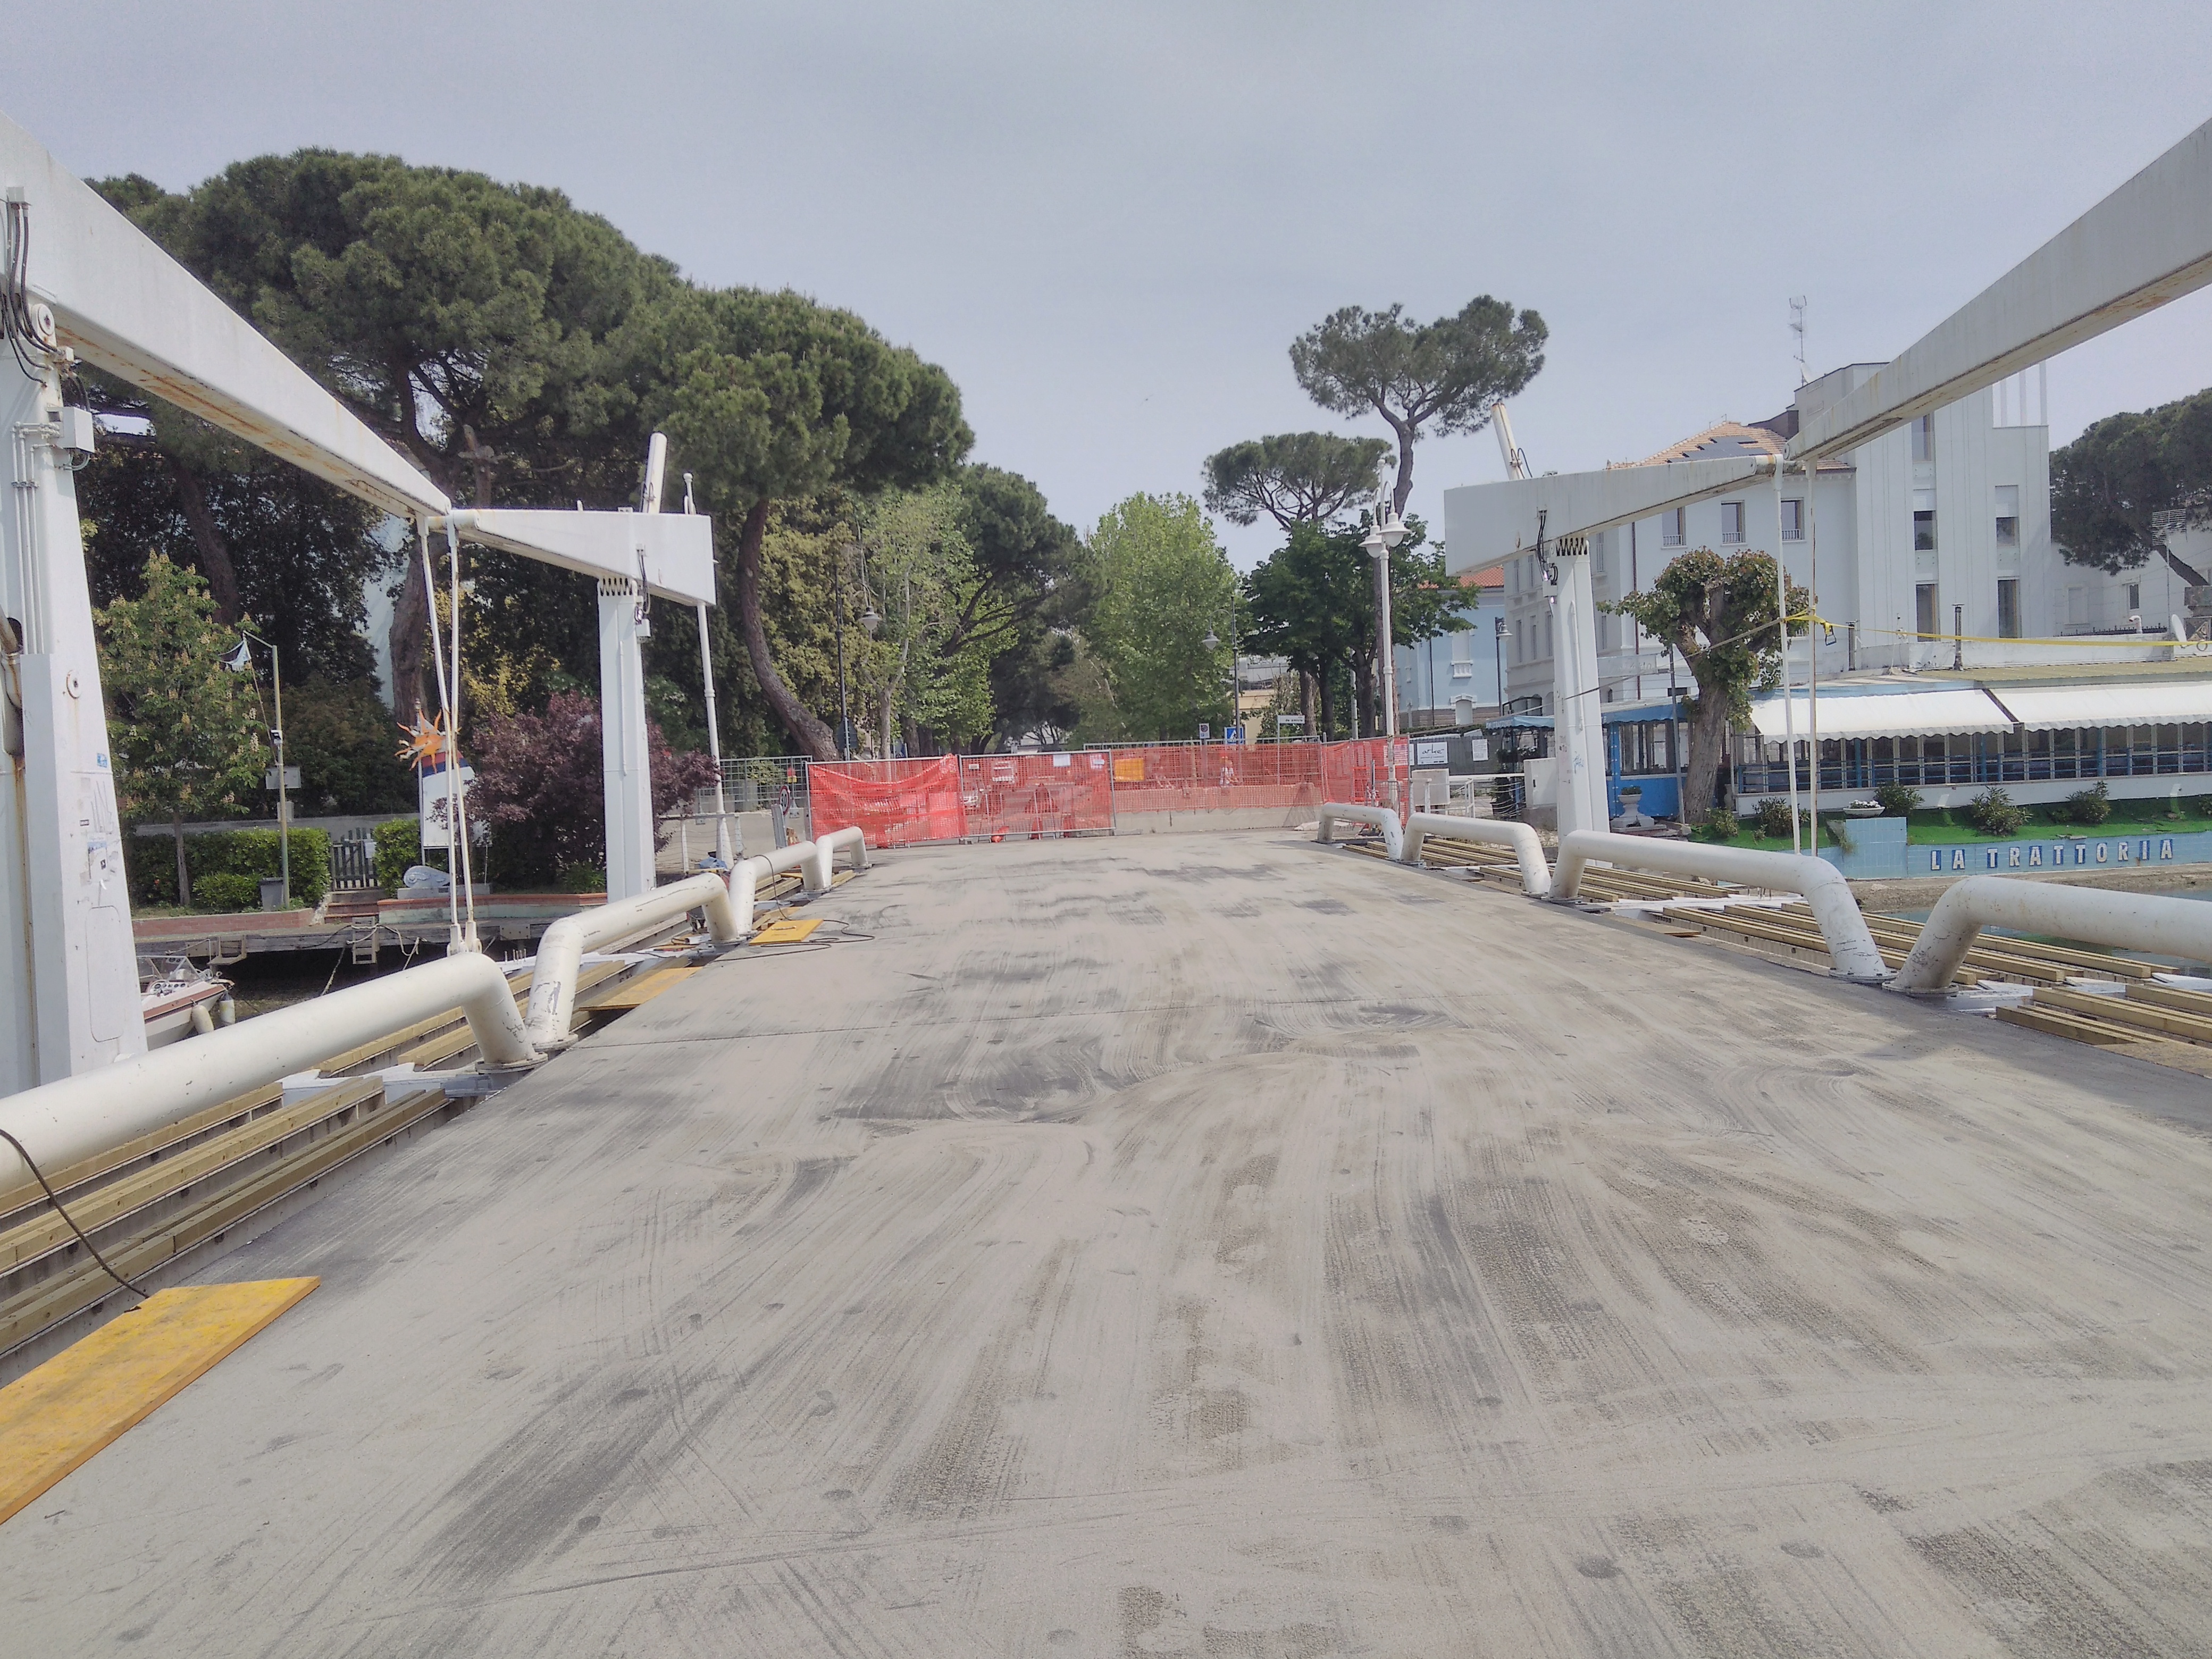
(675, 550)
(2147, 243)
(125, 306)
(1485, 524)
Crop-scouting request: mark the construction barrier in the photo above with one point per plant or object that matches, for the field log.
(901, 803)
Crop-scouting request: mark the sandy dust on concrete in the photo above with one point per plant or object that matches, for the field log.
(1211, 1246)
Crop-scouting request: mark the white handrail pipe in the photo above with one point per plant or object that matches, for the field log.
(63, 1122)
(561, 951)
(1852, 953)
(2127, 921)
(1535, 874)
(1380, 817)
(820, 870)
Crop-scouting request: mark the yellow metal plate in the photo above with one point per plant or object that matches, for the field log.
(784, 931)
(637, 993)
(59, 1416)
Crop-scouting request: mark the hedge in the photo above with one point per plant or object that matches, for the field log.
(399, 844)
(250, 852)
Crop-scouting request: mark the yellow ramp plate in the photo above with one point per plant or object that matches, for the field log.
(55, 1419)
(784, 932)
(637, 993)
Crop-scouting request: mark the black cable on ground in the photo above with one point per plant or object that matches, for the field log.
(39, 1176)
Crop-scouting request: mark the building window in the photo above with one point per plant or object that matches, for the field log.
(1672, 529)
(1923, 439)
(1793, 520)
(1924, 609)
(1597, 554)
(2008, 515)
(2135, 596)
(1731, 521)
(2008, 607)
(1923, 531)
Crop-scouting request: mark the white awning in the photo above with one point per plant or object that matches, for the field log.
(1893, 715)
(2139, 702)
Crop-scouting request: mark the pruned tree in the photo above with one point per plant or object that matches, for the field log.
(1449, 373)
(185, 731)
(2118, 489)
(1294, 477)
(776, 399)
(538, 785)
(1718, 613)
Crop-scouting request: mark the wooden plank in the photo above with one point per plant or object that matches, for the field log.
(2120, 1010)
(49, 1231)
(2055, 1023)
(75, 1175)
(61, 1415)
(54, 1300)
(637, 993)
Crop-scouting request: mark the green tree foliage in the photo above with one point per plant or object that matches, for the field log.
(925, 678)
(1451, 372)
(496, 334)
(186, 733)
(775, 398)
(341, 737)
(1294, 477)
(1036, 580)
(1718, 613)
(1312, 603)
(2109, 485)
(1164, 586)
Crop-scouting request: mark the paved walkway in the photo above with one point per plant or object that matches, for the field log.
(1211, 1245)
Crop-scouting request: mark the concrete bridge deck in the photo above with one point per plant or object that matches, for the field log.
(1211, 1245)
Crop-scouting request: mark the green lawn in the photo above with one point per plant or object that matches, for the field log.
(1945, 826)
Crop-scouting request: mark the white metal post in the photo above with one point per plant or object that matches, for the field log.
(69, 970)
(1578, 723)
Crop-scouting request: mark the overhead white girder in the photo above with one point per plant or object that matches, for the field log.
(676, 549)
(125, 306)
(1485, 524)
(2147, 243)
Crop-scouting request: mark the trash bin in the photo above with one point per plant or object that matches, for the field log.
(272, 892)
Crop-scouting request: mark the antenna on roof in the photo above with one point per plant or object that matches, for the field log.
(1797, 328)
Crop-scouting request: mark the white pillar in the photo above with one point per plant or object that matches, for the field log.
(630, 828)
(68, 968)
(1578, 727)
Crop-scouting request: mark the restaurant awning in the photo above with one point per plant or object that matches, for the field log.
(1885, 714)
(2155, 702)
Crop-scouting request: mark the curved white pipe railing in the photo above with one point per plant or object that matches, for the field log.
(77, 1117)
(745, 879)
(2129, 922)
(1535, 874)
(553, 978)
(820, 872)
(1380, 817)
(1851, 950)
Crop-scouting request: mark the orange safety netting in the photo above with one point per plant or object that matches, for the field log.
(963, 796)
(892, 803)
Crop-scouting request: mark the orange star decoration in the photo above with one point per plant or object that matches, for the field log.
(426, 741)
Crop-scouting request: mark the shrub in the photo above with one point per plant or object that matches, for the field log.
(1774, 818)
(1897, 800)
(254, 852)
(583, 878)
(1721, 824)
(399, 844)
(2090, 805)
(225, 890)
(1994, 813)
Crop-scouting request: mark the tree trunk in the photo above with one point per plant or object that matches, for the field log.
(1309, 704)
(1708, 743)
(1363, 697)
(214, 552)
(810, 733)
(184, 875)
(1405, 486)
(410, 628)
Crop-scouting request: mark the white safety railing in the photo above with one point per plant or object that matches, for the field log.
(60, 1123)
(1852, 953)
(1535, 875)
(2128, 922)
(560, 952)
(820, 872)
(1380, 817)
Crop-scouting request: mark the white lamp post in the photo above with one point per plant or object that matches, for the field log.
(1389, 529)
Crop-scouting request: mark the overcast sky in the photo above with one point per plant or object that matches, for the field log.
(1108, 222)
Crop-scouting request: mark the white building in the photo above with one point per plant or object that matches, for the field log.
(1930, 544)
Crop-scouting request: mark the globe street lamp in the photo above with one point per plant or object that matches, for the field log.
(1386, 534)
(240, 661)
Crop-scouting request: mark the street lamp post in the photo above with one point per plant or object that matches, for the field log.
(1497, 660)
(844, 710)
(238, 662)
(1387, 532)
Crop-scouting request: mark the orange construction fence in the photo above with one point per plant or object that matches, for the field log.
(975, 797)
